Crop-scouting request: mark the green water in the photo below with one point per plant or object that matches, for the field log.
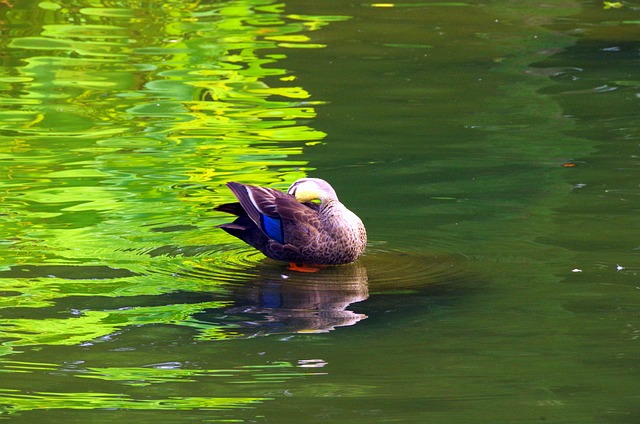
(491, 148)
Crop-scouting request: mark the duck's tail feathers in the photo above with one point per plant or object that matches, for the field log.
(231, 208)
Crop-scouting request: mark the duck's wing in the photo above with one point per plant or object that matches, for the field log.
(255, 200)
(278, 215)
(300, 221)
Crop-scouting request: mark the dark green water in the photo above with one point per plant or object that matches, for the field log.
(491, 149)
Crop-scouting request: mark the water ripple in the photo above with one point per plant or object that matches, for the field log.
(391, 268)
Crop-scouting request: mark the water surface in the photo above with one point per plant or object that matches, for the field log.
(490, 148)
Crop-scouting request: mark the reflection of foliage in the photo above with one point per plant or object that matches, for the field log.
(116, 124)
(611, 5)
(132, 102)
(219, 382)
(169, 373)
(38, 400)
(91, 325)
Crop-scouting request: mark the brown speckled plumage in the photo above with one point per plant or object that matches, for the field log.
(289, 227)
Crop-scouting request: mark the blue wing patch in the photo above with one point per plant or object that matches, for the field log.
(272, 227)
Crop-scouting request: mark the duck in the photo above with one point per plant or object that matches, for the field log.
(307, 226)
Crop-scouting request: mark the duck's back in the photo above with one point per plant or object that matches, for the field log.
(341, 239)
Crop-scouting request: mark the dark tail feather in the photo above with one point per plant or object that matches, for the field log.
(246, 230)
(232, 208)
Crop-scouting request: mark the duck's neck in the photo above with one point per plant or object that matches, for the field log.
(331, 210)
(328, 208)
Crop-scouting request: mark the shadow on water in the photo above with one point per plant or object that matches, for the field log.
(277, 300)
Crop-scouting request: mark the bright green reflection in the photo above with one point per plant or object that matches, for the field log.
(118, 126)
(16, 401)
(91, 325)
(42, 400)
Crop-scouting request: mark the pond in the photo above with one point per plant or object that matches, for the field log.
(491, 149)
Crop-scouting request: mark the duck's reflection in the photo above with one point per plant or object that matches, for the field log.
(281, 300)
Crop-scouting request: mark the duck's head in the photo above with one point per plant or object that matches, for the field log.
(308, 189)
